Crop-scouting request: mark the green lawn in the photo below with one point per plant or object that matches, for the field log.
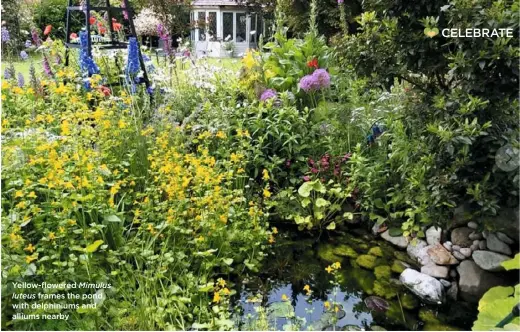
(23, 66)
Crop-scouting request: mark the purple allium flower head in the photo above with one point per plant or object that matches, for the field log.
(5, 35)
(21, 80)
(323, 77)
(309, 83)
(340, 2)
(24, 55)
(319, 79)
(46, 66)
(28, 43)
(268, 94)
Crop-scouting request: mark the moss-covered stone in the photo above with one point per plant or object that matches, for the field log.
(326, 253)
(403, 256)
(385, 289)
(367, 261)
(409, 301)
(382, 272)
(376, 251)
(344, 251)
(432, 322)
(398, 266)
(363, 279)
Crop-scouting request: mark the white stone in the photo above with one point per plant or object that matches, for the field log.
(433, 235)
(472, 225)
(465, 251)
(489, 261)
(447, 246)
(399, 241)
(458, 255)
(495, 244)
(436, 271)
(455, 248)
(418, 252)
(429, 289)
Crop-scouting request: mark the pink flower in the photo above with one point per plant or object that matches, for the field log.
(306, 178)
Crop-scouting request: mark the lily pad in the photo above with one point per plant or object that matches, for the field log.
(377, 303)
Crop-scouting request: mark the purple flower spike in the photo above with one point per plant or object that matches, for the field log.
(5, 35)
(21, 80)
(268, 94)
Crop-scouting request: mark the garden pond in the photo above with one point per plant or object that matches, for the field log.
(295, 291)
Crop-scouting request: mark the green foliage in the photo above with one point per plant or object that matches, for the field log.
(498, 302)
(454, 105)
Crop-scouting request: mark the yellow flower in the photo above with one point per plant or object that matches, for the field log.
(223, 218)
(248, 60)
(220, 134)
(326, 304)
(19, 193)
(336, 308)
(329, 269)
(226, 291)
(235, 157)
(29, 259)
(271, 239)
(32, 194)
(269, 74)
(30, 248)
(65, 128)
(284, 297)
(336, 265)
(216, 297)
(52, 236)
(267, 193)
(265, 175)
(307, 288)
(61, 229)
(221, 282)
(275, 230)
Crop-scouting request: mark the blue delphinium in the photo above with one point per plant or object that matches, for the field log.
(86, 63)
(5, 35)
(28, 43)
(7, 74)
(132, 65)
(149, 64)
(21, 80)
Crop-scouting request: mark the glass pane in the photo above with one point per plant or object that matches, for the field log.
(212, 25)
(227, 26)
(253, 33)
(201, 23)
(241, 28)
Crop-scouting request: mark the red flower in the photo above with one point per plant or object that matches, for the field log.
(105, 90)
(102, 30)
(92, 20)
(313, 63)
(116, 26)
(47, 30)
(73, 35)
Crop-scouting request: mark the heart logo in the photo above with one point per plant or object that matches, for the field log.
(431, 32)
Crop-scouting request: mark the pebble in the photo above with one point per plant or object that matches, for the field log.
(447, 246)
(455, 248)
(476, 242)
(475, 236)
(453, 273)
(504, 238)
(472, 225)
(474, 246)
(453, 291)
(445, 283)
(485, 234)
(465, 251)
(449, 243)
(459, 256)
(482, 245)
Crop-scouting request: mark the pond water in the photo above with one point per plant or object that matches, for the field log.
(353, 298)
